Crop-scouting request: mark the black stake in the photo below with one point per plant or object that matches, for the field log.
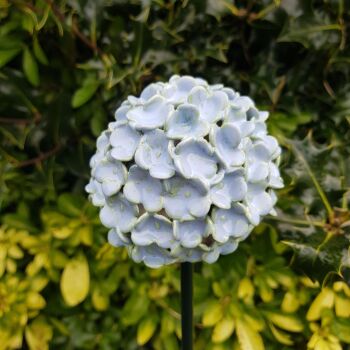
(187, 305)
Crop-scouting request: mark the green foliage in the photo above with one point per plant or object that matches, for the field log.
(64, 68)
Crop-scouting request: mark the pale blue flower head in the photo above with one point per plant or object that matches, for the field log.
(184, 172)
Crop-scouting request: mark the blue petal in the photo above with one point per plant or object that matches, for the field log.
(142, 188)
(152, 256)
(185, 199)
(185, 122)
(151, 115)
(191, 233)
(232, 188)
(153, 155)
(94, 188)
(153, 229)
(117, 239)
(179, 88)
(124, 140)
(195, 158)
(230, 223)
(111, 175)
(211, 105)
(119, 213)
(226, 140)
(120, 113)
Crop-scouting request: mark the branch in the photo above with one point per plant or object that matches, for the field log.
(39, 158)
(74, 28)
(18, 121)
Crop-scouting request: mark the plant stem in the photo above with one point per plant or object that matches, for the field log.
(187, 305)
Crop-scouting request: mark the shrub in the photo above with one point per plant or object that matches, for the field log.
(65, 67)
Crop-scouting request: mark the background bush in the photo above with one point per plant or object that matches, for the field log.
(65, 67)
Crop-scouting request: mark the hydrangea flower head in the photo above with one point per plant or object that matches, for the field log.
(185, 172)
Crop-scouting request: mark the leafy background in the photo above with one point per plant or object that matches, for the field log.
(65, 67)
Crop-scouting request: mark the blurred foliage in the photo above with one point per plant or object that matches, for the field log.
(64, 68)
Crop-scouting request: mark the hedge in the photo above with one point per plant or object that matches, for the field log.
(64, 68)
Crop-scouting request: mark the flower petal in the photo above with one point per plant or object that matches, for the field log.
(232, 188)
(111, 175)
(124, 140)
(153, 229)
(184, 122)
(179, 88)
(195, 158)
(211, 104)
(226, 140)
(119, 213)
(185, 199)
(117, 239)
(142, 188)
(94, 188)
(257, 171)
(120, 113)
(230, 223)
(150, 115)
(191, 233)
(153, 155)
(152, 256)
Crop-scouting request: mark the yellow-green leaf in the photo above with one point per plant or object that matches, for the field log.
(285, 321)
(83, 94)
(212, 314)
(223, 330)
(35, 301)
(145, 330)
(245, 288)
(342, 306)
(30, 67)
(38, 334)
(324, 300)
(62, 232)
(248, 338)
(75, 281)
(290, 303)
(280, 336)
(100, 300)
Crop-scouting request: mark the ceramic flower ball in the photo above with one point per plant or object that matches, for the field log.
(185, 172)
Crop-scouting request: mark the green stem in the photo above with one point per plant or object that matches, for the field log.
(297, 221)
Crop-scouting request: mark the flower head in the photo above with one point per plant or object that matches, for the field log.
(185, 172)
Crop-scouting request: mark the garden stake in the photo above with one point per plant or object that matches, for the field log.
(187, 305)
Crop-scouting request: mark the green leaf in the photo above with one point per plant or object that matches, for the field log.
(75, 281)
(135, 308)
(84, 94)
(39, 52)
(146, 329)
(70, 204)
(341, 327)
(30, 67)
(7, 55)
(308, 31)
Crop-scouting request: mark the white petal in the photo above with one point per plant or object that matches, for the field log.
(153, 229)
(184, 122)
(124, 140)
(151, 115)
